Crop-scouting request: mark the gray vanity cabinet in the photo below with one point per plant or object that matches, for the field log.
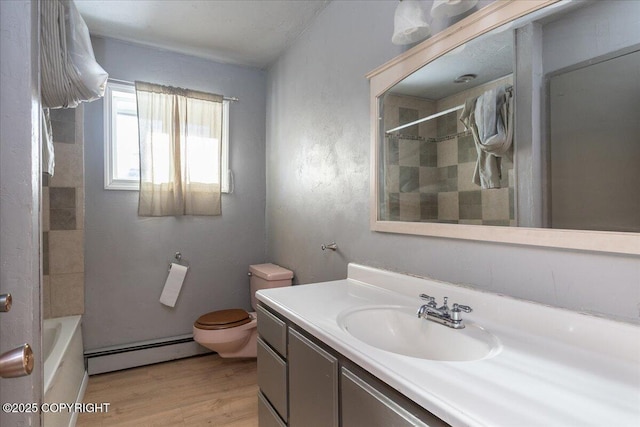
(304, 383)
(313, 384)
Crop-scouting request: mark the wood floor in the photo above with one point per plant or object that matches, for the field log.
(199, 391)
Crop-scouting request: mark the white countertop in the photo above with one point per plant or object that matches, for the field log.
(553, 368)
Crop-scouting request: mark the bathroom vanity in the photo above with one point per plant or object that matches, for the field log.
(353, 352)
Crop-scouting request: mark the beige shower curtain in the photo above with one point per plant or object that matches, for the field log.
(180, 147)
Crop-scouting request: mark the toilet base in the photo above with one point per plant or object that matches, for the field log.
(250, 349)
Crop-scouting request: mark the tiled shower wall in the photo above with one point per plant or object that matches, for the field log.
(429, 169)
(63, 218)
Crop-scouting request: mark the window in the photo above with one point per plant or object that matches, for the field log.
(122, 151)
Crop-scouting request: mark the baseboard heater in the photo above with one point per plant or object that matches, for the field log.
(118, 357)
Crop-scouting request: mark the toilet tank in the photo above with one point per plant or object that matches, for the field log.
(267, 276)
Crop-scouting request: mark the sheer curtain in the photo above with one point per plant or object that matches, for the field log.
(180, 147)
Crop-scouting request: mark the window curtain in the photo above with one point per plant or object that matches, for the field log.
(180, 133)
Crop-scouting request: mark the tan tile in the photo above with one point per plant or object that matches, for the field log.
(67, 294)
(465, 177)
(393, 179)
(409, 206)
(448, 153)
(448, 207)
(470, 221)
(45, 209)
(66, 251)
(69, 170)
(495, 204)
(46, 298)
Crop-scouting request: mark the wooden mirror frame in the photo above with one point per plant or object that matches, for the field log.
(386, 76)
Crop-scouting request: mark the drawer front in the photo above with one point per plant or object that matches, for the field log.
(272, 378)
(272, 330)
(267, 416)
(365, 406)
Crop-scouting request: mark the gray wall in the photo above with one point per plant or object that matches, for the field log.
(318, 154)
(126, 256)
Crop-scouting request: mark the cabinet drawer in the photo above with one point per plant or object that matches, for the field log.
(272, 330)
(363, 405)
(272, 378)
(267, 416)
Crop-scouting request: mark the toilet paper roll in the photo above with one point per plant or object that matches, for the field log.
(172, 286)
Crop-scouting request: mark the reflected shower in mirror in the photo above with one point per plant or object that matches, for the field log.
(574, 160)
(435, 169)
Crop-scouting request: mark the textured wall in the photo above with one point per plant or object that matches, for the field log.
(126, 256)
(318, 154)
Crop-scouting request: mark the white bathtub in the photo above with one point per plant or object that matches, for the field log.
(65, 377)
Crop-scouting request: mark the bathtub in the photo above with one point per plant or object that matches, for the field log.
(65, 377)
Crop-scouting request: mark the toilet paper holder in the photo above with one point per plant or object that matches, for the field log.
(179, 260)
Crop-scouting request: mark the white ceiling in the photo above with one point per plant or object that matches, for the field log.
(244, 32)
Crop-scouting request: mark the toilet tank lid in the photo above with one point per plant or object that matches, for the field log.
(270, 271)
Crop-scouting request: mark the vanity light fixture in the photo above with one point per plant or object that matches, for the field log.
(410, 23)
(465, 78)
(449, 8)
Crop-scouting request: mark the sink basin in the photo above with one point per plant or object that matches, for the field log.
(397, 329)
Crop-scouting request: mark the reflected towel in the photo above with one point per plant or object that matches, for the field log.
(172, 286)
(490, 119)
(48, 158)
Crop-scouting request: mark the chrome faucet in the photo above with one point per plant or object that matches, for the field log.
(442, 315)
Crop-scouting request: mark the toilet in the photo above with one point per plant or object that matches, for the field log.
(234, 332)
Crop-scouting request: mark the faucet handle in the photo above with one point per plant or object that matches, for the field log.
(460, 307)
(431, 301)
(457, 309)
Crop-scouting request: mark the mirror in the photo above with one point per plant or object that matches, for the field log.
(563, 80)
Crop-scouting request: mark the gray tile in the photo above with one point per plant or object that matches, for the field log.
(63, 114)
(409, 179)
(62, 219)
(470, 204)
(452, 123)
(512, 213)
(408, 115)
(62, 197)
(448, 178)
(428, 154)
(428, 206)
(63, 132)
(466, 149)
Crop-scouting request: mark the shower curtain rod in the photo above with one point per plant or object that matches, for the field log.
(433, 116)
(126, 82)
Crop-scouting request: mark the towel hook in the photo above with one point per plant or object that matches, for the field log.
(331, 246)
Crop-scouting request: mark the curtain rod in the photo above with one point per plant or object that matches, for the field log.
(126, 82)
(433, 116)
